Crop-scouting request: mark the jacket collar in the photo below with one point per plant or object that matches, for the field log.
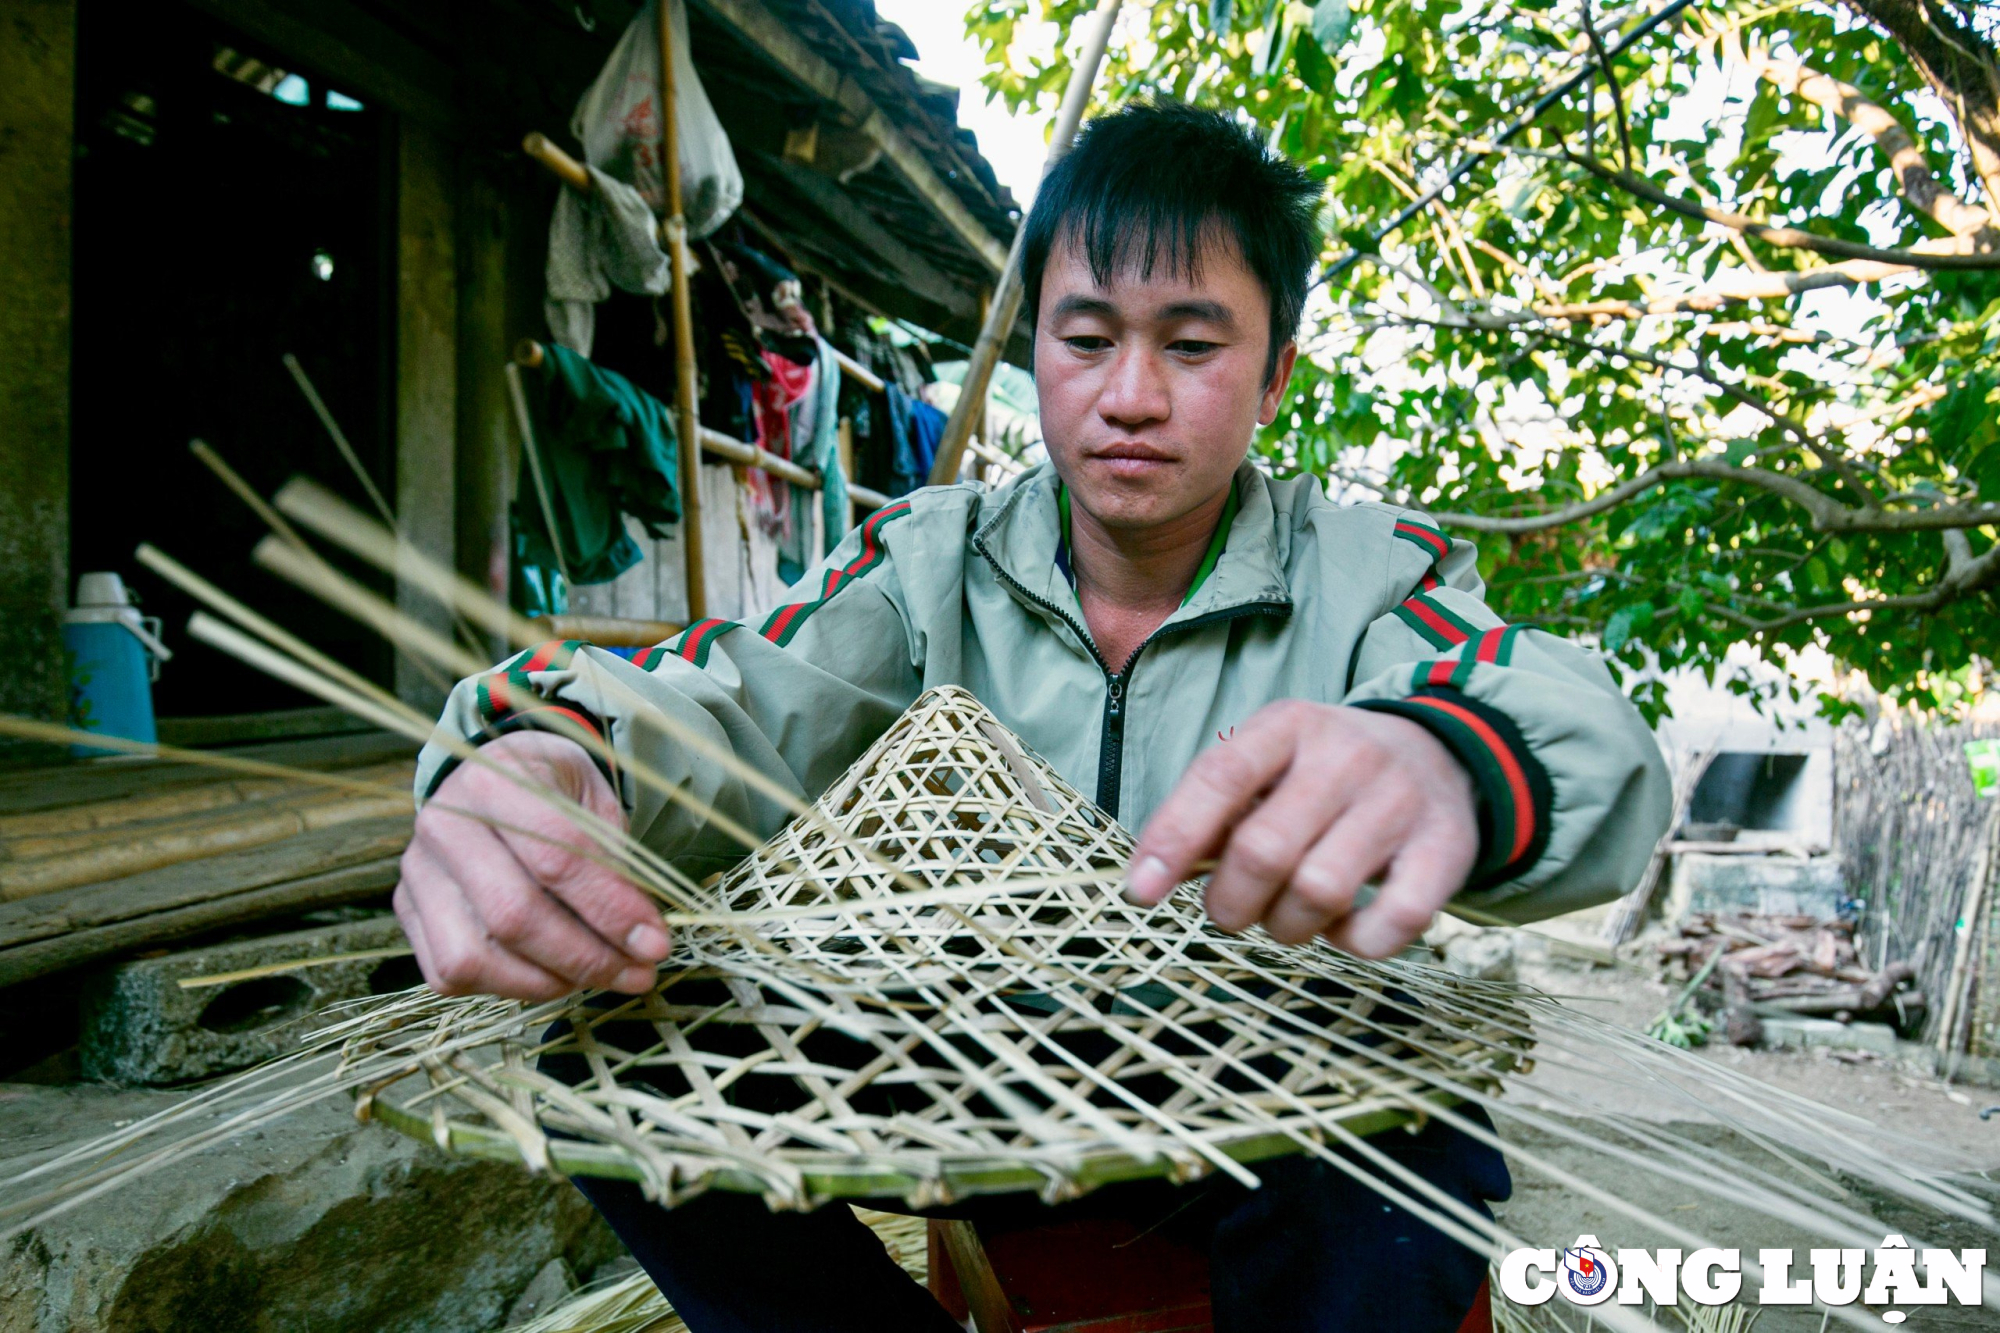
(1025, 542)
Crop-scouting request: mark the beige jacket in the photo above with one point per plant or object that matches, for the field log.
(1299, 598)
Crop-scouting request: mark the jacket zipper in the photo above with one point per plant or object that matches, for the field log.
(1111, 749)
(1111, 755)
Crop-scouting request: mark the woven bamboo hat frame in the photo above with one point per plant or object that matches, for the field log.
(1051, 1038)
(928, 986)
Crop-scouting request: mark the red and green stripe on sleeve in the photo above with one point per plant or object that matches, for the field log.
(1433, 621)
(1495, 646)
(1434, 543)
(507, 701)
(506, 691)
(697, 641)
(1514, 795)
(783, 624)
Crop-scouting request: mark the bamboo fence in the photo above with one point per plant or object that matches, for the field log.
(1917, 850)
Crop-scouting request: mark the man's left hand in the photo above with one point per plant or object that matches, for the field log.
(1303, 805)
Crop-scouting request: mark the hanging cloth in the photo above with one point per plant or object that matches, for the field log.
(597, 240)
(915, 428)
(774, 398)
(608, 449)
(816, 444)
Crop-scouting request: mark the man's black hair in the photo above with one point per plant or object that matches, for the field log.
(1149, 183)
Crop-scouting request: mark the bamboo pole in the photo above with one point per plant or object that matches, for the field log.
(843, 449)
(684, 369)
(1006, 302)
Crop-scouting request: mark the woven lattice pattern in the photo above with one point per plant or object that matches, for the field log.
(929, 986)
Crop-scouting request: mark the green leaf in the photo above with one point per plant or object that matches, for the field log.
(1315, 70)
(1221, 14)
(1625, 624)
(1332, 21)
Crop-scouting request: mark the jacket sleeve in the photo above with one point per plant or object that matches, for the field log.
(1572, 790)
(798, 697)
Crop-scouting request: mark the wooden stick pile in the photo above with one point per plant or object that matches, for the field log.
(101, 860)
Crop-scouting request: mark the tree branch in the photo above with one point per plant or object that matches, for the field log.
(1924, 254)
(1960, 65)
(1920, 187)
(1825, 513)
(1964, 575)
(1611, 84)
(1731, 287)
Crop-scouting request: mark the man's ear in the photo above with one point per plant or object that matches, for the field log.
(1281, 376)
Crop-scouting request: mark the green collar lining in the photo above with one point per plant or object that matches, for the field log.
(1209, 558)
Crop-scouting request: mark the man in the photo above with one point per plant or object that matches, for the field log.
(1313, 695)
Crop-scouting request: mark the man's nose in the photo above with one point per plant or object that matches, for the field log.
(1135, 390)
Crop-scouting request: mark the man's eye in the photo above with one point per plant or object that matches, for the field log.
(1192, 347)
(1087, 342)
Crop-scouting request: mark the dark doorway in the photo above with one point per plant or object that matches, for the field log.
(1748, 791)
(230, 207)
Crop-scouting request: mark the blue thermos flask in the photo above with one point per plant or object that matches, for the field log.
(114, 658)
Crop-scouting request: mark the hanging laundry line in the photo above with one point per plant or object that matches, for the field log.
(529, 354)
(573, 174)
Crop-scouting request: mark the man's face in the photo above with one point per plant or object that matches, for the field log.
(1151, 389)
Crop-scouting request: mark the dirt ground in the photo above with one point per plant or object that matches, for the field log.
(1926, 1120)
(1890, 1092)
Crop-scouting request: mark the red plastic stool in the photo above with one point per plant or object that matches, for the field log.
(1094, 1276)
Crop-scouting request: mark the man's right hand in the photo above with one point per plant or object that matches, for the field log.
(492, 911)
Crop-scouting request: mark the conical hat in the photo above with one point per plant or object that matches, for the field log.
(929, 986)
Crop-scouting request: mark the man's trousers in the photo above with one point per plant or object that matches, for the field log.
(1312, 1251)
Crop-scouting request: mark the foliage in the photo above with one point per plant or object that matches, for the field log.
(1774, 437)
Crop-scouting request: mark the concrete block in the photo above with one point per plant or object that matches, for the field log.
(1759, 885)
(1805, 1032)
(140, 1027)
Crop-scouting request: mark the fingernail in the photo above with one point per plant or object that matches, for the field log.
(1149, 882)
(648, 942)
(1372, 939)
(635, 980)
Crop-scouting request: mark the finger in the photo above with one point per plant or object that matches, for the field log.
(1323, 886)
(412, 923)
(567, 859)
(1265, 849)
(462, 959)
(616, 910)
(1422, 878)
(1222, 782)
(521, 917)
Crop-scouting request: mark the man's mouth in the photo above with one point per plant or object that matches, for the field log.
(1131, 452)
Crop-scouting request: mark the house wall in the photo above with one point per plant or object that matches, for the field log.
(37, 97)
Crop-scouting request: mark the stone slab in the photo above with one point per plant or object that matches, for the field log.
(140, 1027)
(1758, 885)
(311, 1222)
(1804, 1032)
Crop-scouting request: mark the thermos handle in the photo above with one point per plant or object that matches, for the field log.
(146, 629)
